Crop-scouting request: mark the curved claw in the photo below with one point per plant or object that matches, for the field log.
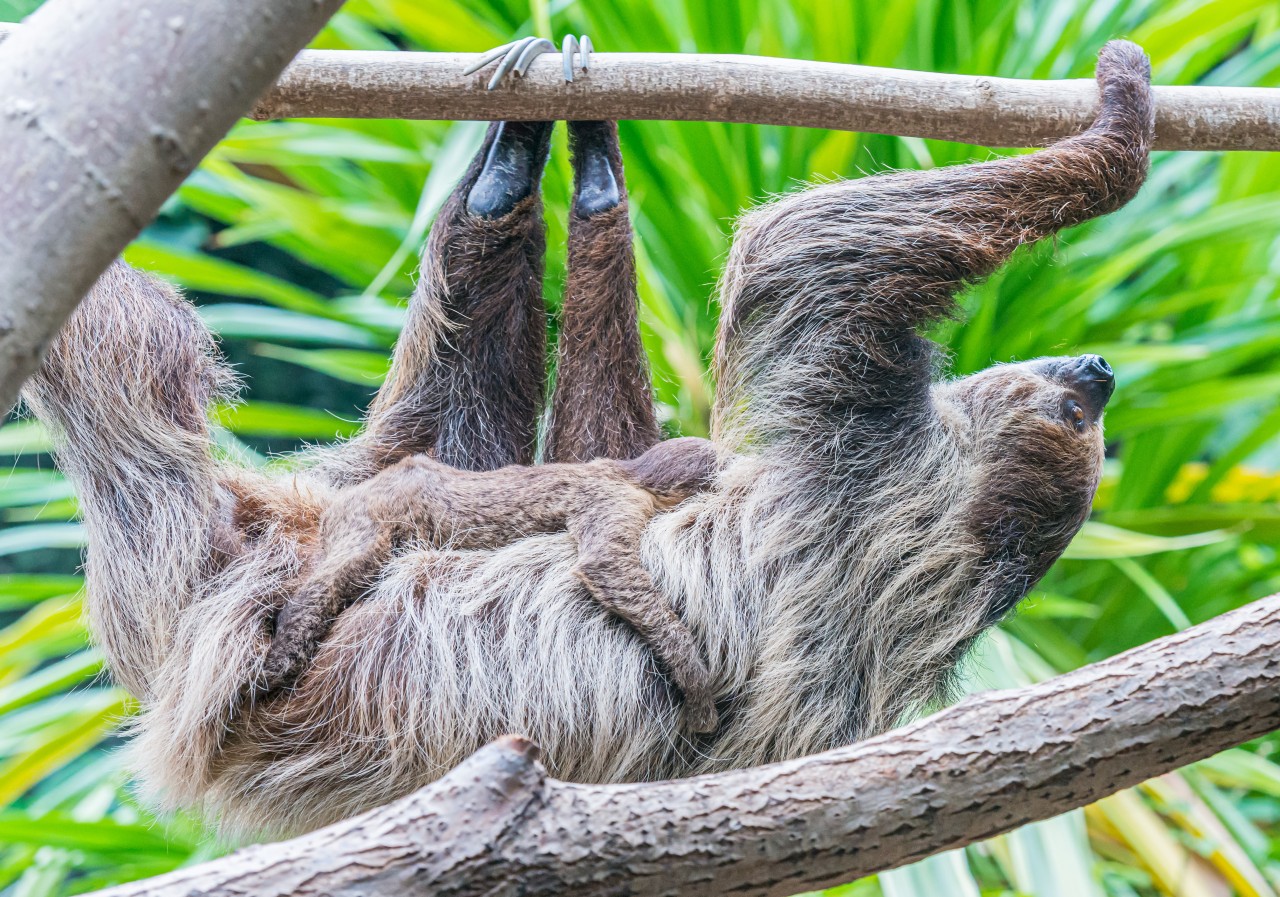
(495, 53)
(532, 52)
(568, 47)
(518, 55)
(522, 53)
(582, 47)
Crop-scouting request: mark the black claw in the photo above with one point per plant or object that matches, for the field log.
(597, 188)
(512, 169)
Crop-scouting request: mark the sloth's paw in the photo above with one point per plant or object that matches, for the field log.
(300, 624)
(693, 679)
(518, 55)
(279, 669)
(700, 714)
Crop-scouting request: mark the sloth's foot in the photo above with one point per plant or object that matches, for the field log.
(356, 548)
(301, 623)
(512, 168)
(518, 55)
(595, 187)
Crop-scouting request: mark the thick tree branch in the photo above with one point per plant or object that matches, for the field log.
(498, 825)
(105, 106)
(763, 90)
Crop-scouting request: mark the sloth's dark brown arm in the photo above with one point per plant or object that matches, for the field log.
(608, 540)
(467, 378)
(602, 406)
(825, 290)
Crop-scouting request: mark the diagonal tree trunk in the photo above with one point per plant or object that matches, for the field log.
(498, 825)
(105, 106)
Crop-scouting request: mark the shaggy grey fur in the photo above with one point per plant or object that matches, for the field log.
(873, 522)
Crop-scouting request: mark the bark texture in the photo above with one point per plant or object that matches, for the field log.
(759, 90)
(105, 106)
(498, 825)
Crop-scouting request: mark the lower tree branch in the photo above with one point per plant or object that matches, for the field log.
(757, 89)
(498, 825)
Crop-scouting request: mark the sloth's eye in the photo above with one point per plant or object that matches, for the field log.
(1075, 415)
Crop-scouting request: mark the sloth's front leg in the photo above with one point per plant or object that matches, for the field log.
(357, 537)
(608, 538)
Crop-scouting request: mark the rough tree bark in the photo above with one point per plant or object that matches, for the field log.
(498, 825)
(757, 89)
(105, 106)
(760, 90)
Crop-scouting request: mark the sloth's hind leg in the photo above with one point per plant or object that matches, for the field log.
(512, 168)
(602, 406)
(471, 364)
(467, 378)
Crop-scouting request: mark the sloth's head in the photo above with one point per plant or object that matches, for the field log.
(1032, 433)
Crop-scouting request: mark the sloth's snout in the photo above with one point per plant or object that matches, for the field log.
(1093, 377)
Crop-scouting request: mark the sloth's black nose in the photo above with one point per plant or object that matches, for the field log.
(1093, 377)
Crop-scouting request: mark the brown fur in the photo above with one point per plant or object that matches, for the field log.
(466, 383)
(871, 521)
(604, 505)
(480, 278)
(602, 406)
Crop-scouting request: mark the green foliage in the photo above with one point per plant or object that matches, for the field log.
(300, 237)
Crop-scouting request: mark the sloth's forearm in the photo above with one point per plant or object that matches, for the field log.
(888, 253)
(488, 509)
(609, 565)
(1019, 200)
(825, 289)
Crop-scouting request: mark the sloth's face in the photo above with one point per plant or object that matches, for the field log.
(1033, 436)
(1049, 405)
(1048, 396)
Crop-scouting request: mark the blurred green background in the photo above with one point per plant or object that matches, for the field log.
(298, 239)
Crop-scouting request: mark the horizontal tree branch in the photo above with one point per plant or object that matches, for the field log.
(499, 825)
(757, 89)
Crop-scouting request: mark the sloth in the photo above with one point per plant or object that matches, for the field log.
(869, 520)
(604, 505)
